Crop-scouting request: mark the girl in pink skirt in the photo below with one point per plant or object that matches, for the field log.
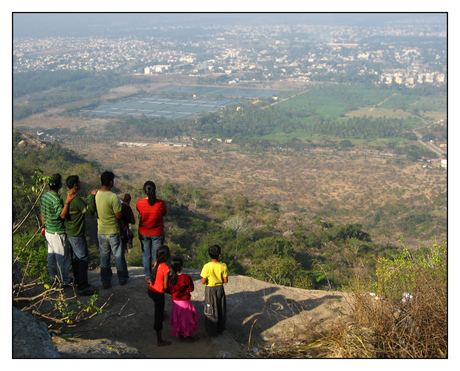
(184, 318)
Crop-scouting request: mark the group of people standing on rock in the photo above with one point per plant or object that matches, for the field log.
(64, 227)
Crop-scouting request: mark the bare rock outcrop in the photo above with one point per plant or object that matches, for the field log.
(31, 338)
(259, 314)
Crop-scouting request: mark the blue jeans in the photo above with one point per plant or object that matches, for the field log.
(79, 262)
(111, 244)
(150, 244)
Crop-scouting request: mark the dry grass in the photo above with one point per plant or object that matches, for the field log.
(416, 329)
(385, 327)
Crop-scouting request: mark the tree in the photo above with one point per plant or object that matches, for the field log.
(428, 137)
(276, 269)
(239, 226)
(240, 202)
(345, 143)
(270, 246)
(196, 196)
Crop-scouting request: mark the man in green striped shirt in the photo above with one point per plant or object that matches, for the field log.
(52, 213)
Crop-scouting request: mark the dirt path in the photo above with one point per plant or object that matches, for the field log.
(383, 101)
(258, 315)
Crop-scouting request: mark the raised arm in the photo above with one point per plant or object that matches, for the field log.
(92, 202)
(70, 196)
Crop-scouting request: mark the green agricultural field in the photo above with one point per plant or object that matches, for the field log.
(407, 118)
(411, 103)
(332, 101)
(361, 114)
(435, 104)
(339, 102)
(282, 137)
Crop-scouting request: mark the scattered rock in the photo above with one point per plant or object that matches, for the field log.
(100, 348)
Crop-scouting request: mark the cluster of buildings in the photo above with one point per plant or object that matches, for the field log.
(254, 53)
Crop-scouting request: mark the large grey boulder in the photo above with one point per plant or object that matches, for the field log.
(31, 338)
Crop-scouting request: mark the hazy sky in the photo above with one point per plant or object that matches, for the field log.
(119, 24)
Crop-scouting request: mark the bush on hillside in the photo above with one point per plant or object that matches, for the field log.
(410, 319)
(400, 312)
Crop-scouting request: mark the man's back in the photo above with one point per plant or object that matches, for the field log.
(107, 205)
(75, 221)
(51, 206)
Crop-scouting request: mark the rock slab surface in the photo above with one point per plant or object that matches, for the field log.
(31, 338)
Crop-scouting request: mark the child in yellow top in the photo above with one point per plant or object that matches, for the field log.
(214, 274)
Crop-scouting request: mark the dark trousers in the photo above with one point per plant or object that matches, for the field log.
(215, 309)
(159, 300)
(79, 262)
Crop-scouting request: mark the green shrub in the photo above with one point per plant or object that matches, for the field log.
(270, 246)
(34, 258)
(402, 273)
(281, 270)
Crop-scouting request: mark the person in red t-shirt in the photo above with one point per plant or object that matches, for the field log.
(159, 283)
(151, 228)
(184, 318)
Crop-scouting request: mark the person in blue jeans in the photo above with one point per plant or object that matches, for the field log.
(75, 226)
(108, 207)
(151, 226)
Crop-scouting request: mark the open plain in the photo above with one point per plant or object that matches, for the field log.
(348, 188)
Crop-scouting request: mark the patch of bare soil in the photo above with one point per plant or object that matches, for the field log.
(259, 314)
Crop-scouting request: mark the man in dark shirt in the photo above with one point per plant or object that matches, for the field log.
(75, 226)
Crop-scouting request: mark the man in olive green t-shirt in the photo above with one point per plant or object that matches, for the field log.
(108, 207)
(75, 228)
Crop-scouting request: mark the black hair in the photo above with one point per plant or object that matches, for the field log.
(71, 181)
(163, 255)
(127, 197)
(176, 265)
(214, 251)
(55, 182)
(150, 191)
(106, 178)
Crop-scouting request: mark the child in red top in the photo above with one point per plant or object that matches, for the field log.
(184, 318)
(159, 283)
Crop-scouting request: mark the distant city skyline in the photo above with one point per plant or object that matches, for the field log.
(240, 49)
